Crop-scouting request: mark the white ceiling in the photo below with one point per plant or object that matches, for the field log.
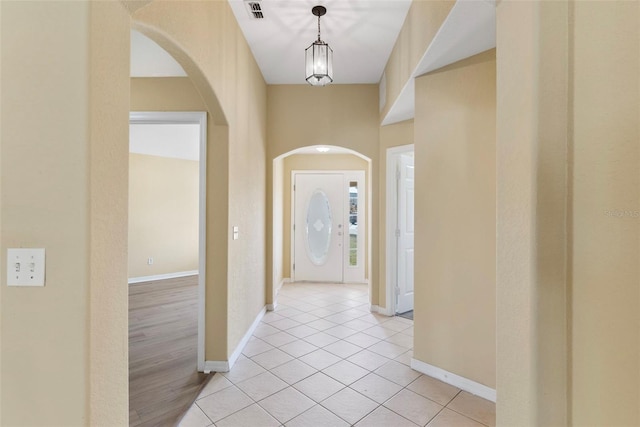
(176, 141)
(150, 60)
(361, 33)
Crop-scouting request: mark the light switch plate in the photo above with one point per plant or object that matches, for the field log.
(25, 267)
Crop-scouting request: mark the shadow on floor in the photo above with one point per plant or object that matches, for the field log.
(406, 315)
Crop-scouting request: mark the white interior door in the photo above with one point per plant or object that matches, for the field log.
(405, 233)
(318, 227)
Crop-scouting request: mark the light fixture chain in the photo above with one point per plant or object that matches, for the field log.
(319, 28)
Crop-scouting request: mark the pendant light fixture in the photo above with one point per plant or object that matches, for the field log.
(319, 57)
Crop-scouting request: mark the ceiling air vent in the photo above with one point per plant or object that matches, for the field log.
(255, 9)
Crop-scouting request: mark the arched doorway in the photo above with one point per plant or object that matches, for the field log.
(212, 341)
(167, 222)
(319, 160)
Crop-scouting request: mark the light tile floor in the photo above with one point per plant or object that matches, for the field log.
(322, 359)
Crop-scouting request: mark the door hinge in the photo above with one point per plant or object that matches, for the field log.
(398, 174)
(397, 290)
(294, 187)
(294, 267)
(397, 232)
(294, 227)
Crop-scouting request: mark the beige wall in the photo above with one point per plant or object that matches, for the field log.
(52, 362)
(165, 94)
(423, 21)
(108, 317)
(163, 215)
(235, 95)
(45, 327)
(1, 266)
(341, 115)
(532, 207)
(455, 219)
(2, 270)
(315, 162)
(181, 94)
(168, 94)
(567, 266)
(77, 206)
(275, 247)
(390, 136)
(605, 177)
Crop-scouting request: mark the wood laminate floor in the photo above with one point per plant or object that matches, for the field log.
(163, 380)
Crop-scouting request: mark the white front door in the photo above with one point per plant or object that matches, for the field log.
(318, 227)
(405, 233)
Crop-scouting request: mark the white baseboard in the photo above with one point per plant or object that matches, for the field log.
(380, 310)
(272, 307)
(225, 366)
(162, 276)
(215, 366)
(454, 380)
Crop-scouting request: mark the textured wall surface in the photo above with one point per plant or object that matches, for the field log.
(44, 149)
(606, 181)
(420, 27)
(163, 215)
(341, 115)
(568, 183)
(455, 140)
(198, 35)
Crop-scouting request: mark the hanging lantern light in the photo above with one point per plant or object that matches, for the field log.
(319, 57)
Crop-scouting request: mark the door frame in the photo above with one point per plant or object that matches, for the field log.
(393, 155)
(363, 233)
(199, 118)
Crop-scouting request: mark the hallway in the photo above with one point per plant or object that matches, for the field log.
(322, 359)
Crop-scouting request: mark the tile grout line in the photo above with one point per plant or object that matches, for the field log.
(202, 410)
(341, 359)
(329, 297)
(460, 413)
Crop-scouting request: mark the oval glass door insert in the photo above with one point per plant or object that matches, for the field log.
(318, 227)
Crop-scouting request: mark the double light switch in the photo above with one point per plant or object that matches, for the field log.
(25, 267)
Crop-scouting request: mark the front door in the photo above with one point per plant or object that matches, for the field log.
(318, 227)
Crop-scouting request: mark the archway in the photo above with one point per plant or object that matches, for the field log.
(205, 39)
(281, 209)
(155, 374)
(211, 301)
